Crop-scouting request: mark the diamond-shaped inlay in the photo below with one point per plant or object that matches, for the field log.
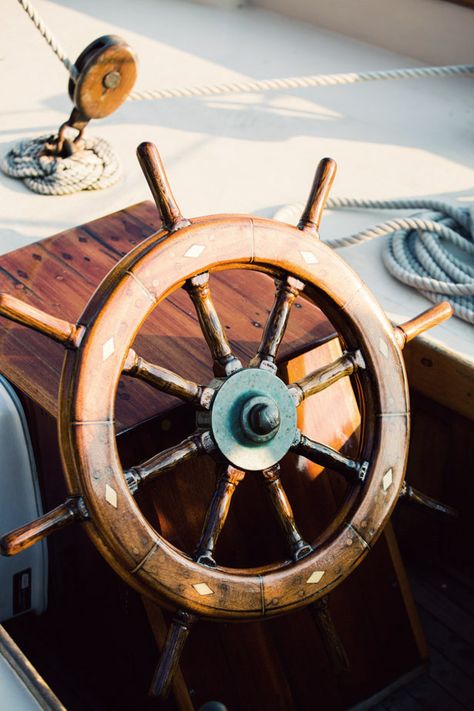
(111, 496)
(387, 480)
(309, 257)
(108, 348)
(203, 589)
(194, 251)
(315, 576)
(383, 348)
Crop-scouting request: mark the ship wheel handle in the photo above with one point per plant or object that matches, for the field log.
(246, 416)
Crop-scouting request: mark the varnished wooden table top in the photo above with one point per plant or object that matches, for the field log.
(60, 273)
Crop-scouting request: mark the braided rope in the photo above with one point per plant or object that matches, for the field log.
(303, 82)
(94, 167)
(432, 252)
(46, 33)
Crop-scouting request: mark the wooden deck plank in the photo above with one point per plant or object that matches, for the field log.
(444, 605)
(428, 694)
(454, 617)
(444, 640)
(452, 679)
(424, 694)
(447, 583)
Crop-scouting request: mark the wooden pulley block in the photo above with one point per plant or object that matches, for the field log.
(107, 73)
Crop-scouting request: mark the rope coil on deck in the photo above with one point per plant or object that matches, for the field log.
(432, 252)
(95, 167)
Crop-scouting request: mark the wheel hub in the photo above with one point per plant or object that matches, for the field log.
(253, 419)
(260, 418)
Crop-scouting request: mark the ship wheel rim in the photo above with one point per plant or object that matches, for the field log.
(92, 466)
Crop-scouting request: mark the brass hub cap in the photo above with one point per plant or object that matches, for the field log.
(260, 418)
(253, 419)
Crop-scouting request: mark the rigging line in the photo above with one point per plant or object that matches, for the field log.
(250, 86)
(46, 33)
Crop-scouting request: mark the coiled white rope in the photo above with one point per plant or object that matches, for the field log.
(432, 251)
(95, 167)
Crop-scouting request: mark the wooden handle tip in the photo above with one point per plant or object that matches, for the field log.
(145, 148)
(319, 193)
(406, 332)
(155, 174)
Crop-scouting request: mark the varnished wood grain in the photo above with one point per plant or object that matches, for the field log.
(227, 481)
(313, 211)
(59, 274)
(25, 536)
(168, 210)
(178, 632)
(213, 331)
(68, 334)
(322, 378)
(162, 378)
(284, 513)
(406, 332)
(287, 290)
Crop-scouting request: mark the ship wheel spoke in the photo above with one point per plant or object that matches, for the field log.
(216, 516)
(322, 378)
(182, 622)
(167, 381)
(178, 633)
(354, 471)
(287, 290)
(196, 444)
(70, 511)
(277, 494)
(411, 495)
(331, 639)
(57, 329)
(225, 363)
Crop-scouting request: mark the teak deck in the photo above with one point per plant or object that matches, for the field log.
(280, 664)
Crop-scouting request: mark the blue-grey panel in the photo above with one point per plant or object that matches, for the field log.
(20, 502)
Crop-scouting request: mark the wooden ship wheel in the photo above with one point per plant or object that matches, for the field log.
(246, 415)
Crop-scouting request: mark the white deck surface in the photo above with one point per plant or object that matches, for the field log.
(244, 153)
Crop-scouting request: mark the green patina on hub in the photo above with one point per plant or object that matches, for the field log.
(253, 419)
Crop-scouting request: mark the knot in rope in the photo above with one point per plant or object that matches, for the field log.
(94, 167)
(432, 251)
